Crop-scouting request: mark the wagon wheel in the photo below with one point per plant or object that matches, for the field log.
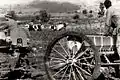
(72, 56)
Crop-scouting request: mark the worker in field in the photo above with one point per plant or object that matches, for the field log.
(112, 25)
(12, 27)
(12, 31)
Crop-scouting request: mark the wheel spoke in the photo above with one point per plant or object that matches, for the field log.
(74, 51)
(69, 49)
(56, 61)
(80, 75)
(79, 46)
(64, 73)
(59, 53)
(54, 58)
(60, 70)
(64, 49)
(70, 73)
(90, 65)
(69, 53)
(81, 54)
(85, 60)
(73, 73)
(83, 70)
(93, 61)
(86, 57)
(74, 48)
(57, 66)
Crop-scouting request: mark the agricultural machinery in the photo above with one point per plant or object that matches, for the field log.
(75, 56)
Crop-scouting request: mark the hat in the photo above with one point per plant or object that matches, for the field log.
(107, 3)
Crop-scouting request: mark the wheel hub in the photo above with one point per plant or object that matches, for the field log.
(71, 61)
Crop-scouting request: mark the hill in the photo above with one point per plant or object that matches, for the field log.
(53, 7)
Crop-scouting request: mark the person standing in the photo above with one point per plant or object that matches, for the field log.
(112, 25)
(12, 28)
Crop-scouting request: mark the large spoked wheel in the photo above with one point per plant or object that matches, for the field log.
(72, 56)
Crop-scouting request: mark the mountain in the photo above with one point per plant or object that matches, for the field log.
(53, 7)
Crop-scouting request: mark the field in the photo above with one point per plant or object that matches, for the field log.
(40, 39)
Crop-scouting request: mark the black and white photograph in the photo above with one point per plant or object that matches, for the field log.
(59, 39)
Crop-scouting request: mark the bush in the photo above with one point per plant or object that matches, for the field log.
(84, 11)
(76, 16)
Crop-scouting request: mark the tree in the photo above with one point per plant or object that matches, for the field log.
(84, 11)
(20, 12)
(76, 16)
(37, 17)
(44, 16)
(90, 14)
(90, 11)
(13, 14)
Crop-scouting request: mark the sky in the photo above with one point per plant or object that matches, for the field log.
(10, 2)
(89, 2)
